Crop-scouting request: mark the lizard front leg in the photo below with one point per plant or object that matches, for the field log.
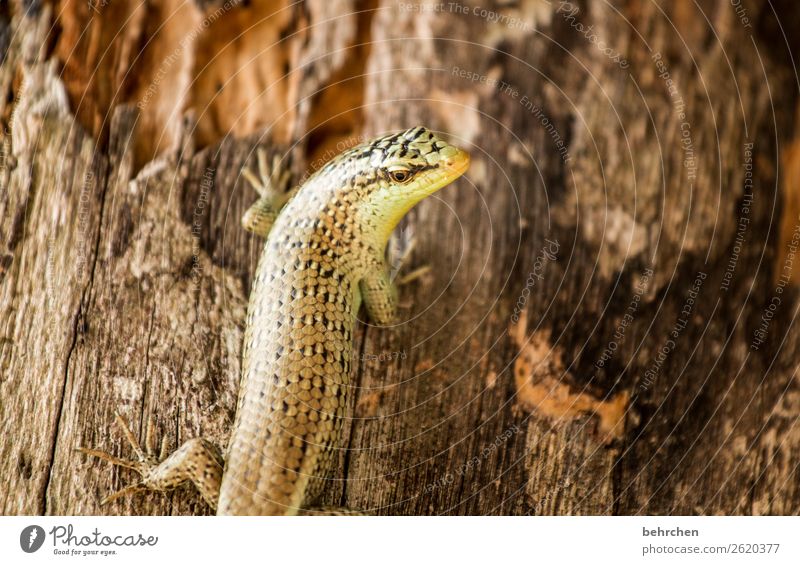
(379, 286)
(379, 295)
(398, 253)
(197, 460)
(271, 185)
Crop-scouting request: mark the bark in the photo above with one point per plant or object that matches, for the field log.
(596, 335)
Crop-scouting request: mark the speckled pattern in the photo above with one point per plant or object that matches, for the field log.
(324, 254)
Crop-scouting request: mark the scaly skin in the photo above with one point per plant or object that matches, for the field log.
(324, 255)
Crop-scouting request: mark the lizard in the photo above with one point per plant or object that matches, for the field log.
(325, 254)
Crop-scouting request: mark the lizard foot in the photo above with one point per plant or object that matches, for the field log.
(271, 185)
(197, 460)
(271, 182)
(399, 250)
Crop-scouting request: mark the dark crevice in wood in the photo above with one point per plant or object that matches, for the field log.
(617, 476)
(100, 170)
(31, 8)
(18, 226)
(43, 507)
(337, 115)
(776, 22)
(5, 30)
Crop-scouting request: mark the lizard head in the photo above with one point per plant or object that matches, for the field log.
(404, 168)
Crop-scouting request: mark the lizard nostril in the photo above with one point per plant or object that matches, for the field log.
(458, 161)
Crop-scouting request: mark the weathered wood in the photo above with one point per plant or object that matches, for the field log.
(532, 371)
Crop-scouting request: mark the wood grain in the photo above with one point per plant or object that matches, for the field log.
(589, 212)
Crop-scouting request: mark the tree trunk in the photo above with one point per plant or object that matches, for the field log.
(608, 326)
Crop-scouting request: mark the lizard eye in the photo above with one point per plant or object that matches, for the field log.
(399, 174)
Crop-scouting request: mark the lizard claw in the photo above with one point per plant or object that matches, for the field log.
(130, 489)
(197, 460)
(144, 464)
(399, 250)
(271, 182)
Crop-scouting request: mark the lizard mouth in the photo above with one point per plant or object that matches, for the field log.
(456, 164)
(451, 166)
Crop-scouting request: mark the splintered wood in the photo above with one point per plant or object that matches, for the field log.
(543, 387)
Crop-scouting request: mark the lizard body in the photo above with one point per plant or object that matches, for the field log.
(324, 255)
